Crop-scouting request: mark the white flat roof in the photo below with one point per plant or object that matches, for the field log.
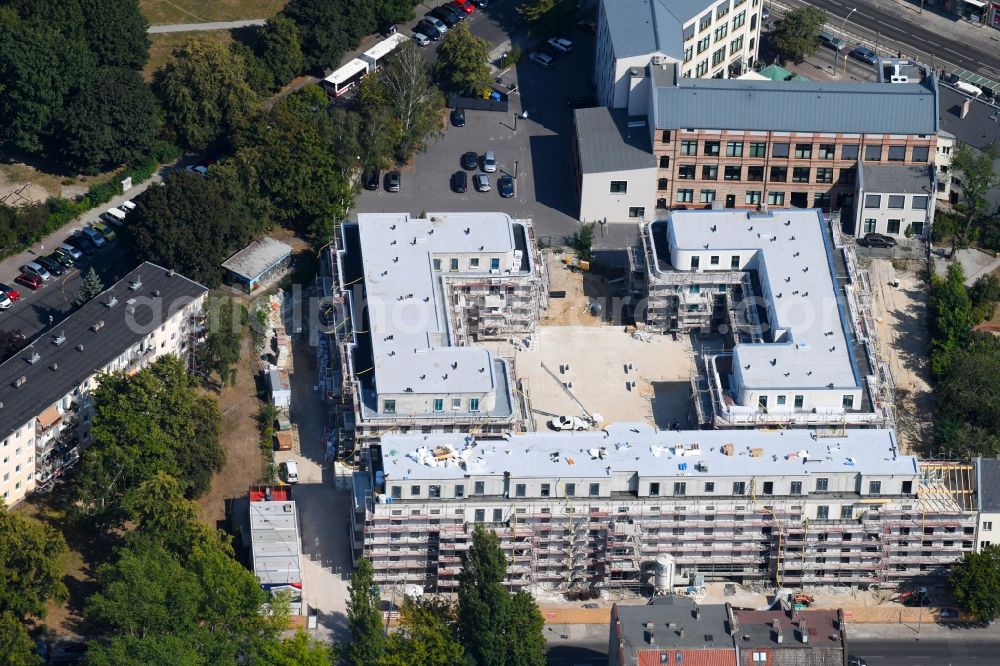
(257, 257)
(795, 269)
(638, 447)
(408, 315)
(347, 71)
(274, 541)
(385, 47)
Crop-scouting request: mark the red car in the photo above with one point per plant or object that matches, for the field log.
(464, 5)
(12, 294)
(30, 281)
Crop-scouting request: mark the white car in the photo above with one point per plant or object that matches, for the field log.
(5, 301)
(543, 60)
(437, 23)
(568, 423)
(481, 182)
(127, 206)
(72, 251)
(421, 39)
(489, 162)
(36, 269)
(561, 44)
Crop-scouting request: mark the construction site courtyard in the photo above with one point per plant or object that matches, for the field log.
(588, 370)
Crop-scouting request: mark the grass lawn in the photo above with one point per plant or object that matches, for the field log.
(162, 45)
(165, 12)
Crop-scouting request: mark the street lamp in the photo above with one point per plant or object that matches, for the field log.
(843, 29)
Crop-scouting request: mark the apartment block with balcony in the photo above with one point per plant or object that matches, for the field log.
(410, 300)
(45, 407)
(705, 38)
(599, 509)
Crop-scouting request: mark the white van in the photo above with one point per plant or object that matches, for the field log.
(289, 471)
(127, 206)
(113, 216)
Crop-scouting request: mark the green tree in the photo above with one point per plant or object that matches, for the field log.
(116, 32)
(968, 400)
(984, 294)
(11, 342)
(90, 287)
(497, 628)
(951, 317)
(349, 127)
(204, 91)
(154, 421)
(221, 350)
(415, 101)
(426, 637)
(299, 650)
(163, 516)
(462, 65)
(279, 49)
(380, 130)
(975, 583)
(330, 28)
(548, 16)
(583, 241)
(796, 35)
(189, 223)
(978, 177)
(364, 621)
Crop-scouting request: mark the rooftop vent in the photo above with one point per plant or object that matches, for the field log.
(97, 326)
(20, 381)
(34, 358)
(79, 348)
(59, 339)
(112, 302)
(170, 273)
(156, 292)
(54, 366)
(136, 284)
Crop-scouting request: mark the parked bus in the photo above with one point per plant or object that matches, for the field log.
(345, 78)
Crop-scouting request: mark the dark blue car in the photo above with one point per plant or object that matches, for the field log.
(864, 54)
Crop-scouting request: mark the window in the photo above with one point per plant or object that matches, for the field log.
(822, 484)
(434, 492)
(736, 45)
(688, 53)
(897, 201)
(796, 488)
(753, 197)
(456, 403)
(397, 492)
(453, 265)
(705, 21)
(849, 151)
(800, 175)
(718, 56)
(824, 175)
(739, 19)
(654, 489)
(803, 151)
(389, 406)
(822, 513)
(873, 153)
(732, 173)
(907, 487)
(781, 399)
(665, 136)
(707, 196)
(703, 44)
(712, 148)
(875, 488)
(546, 490)
(494, 263)
(710, 486)
(917, 228)
(480, 515)
(695, 262)
(822, 200)
(689, 147)
(473, 404)
(709, 172)
(897, 153)
(779, 150)
(637, 211)
(474, 262)
(847, 177)
(870, 225)
(734, 261)
(919, 203)
(479, 487)
(755, 174)
(734, 149)
(919, 154)
(664, 161)
(769, 487)
(680, 488)
(685, 172)
(662, 184)
(776, 198)
(702, 67)
(414, 491)
(459, 491)
(619, 187)
(437, 264)
(685, 196)
(779, 174)
(892, 227)
(595, 489)
(739, 487)
(520, 490)
(826, 151)
(714, 260)
(987, 525)
(722, 10)
(847, 401)
(873, 200)
(438, 404)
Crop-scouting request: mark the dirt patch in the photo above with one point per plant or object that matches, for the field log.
(901, 317)
(583, 290)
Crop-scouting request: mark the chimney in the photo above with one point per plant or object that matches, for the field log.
(650, 638)
(680, 632)
(804, 631)
(966, 105)
(697, 613)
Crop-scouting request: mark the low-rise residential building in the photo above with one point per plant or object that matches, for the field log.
(258, 264)
(988, 502)
(275, 545)
(705, 38)
(45, 408)
(601, 509)
(972, 121)
(895, 200)
(410, 299)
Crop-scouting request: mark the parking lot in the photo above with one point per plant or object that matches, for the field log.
(538, 148)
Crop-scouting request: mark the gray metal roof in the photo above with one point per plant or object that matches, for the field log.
(607, 143)
(807, 106)
(706, 631)
(257, 257)
(978, 129)
(896, 178)
(160, 296)
(640, 27)
(989, 484)
(275, 545)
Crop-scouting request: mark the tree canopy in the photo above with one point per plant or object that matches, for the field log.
(364, 621)
(950, 317)
(978, 177)
(975, 583)
(90, 286)
(415, 102)
(462, 65)
(795, 36)
(968, 398)
(221, 350)
(548, 16)
(279, 49)
(330, 28)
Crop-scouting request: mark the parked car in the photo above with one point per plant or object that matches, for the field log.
(505, 186)
(877, 240)
(543, 60)
(481, 182)
(63, 257)
(421, 39)
(34, 268)
(470, 161)
(370, 179)
(106, 231)
(94, 237)
(5, 302)
(10, 292)
(53, 266)
(71, 250)
(489, 162)
(459, 182)
(113, 216)
(464, 5)
(428, 28)
(445, 15)
(32, 282)
(127, 206)
(855, 661)
(289, 471)
(831, 42)
(199, 169)
(436, 22)
(458, 117)
(560, 44)
(568, 423)
(481, 4)
(864, 54)
(392, 181)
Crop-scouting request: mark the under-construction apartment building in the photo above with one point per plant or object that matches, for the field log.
(785, 305)
(615, 508)
(407, 302)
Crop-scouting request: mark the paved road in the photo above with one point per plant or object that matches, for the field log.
(898, 27)
(194, 27)
(956, 651)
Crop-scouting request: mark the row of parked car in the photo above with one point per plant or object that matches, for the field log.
(481, 181)
(546, 56)
(435, 23)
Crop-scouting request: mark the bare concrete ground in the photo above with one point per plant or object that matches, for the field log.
(901, 316)
(594, 360)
